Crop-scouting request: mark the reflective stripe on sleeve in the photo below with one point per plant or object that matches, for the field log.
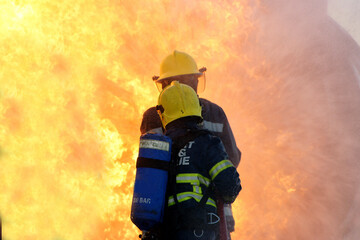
(181, 197)
(213, 127)
(219, 167)
(192, 178)
(154, 144)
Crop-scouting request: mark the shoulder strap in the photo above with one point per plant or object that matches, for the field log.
(143, 162)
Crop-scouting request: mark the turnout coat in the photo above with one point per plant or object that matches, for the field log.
(203, 172)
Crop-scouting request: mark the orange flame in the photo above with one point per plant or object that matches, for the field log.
(75, 80)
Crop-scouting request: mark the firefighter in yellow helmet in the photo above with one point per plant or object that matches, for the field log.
(178, 101)
(202, 174)
(181, 67)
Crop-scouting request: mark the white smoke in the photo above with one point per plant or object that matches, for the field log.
(346, 13)
(296, 117)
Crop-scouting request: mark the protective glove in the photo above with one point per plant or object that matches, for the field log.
(230, 221)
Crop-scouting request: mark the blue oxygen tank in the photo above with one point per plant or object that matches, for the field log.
(152, 165)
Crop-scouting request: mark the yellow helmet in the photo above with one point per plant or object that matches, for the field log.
(177, 101)
(178, 64)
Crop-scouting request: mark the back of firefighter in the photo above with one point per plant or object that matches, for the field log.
(203, 171)
(182, 67)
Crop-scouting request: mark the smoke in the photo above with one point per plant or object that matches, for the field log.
(345, 13)
(296, 118)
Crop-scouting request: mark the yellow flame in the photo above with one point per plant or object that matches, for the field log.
(75, 79)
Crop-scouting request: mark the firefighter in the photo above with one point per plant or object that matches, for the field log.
(203, 172)
(182, 67)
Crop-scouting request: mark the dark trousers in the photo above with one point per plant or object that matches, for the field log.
(196, 234)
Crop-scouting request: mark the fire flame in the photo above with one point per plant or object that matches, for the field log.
(75, 79)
